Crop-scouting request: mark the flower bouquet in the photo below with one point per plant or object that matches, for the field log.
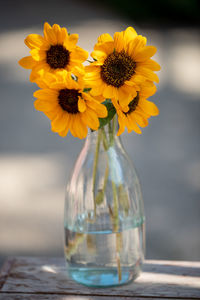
(104, 215)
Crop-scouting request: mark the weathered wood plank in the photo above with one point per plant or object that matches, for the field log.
(159, 279)
(4, 271)
(71, 297)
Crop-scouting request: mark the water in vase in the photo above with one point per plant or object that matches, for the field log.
(97, 256)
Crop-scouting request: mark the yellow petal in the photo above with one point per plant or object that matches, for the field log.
(44, 105)
(51, 114)
(129, 35)
(75, 126)
(46, 94)
(64, 34)
(64, 132)
(124, 96)
(149, 107)
(34, 41)
(79, 54)
(37, 71)
(137, 45)
(38, 55)
(136, 79)
(58, 85)
(71, 125)
(41, 83)
(147, 73)
(121, 125)
(79, 72)
(140, 120)
(93, 75)
(79, 128)
(57, 30)
(102, 112)
(108, 92)
(97, 90)
(121, 130)
(44, 82)
(99, 98)
(50, 36)
(59, 123)
(150, 64)
(147, 91)
(125, 108)
(118, 41)
(90, 118)
(99, 108)
(106, 47)
(47, 27)
(83, 128)
(145, 53)
(99, 55)
(91, 68)
(131, 125)
(73, 38)
(116, 104)
(105, 37)
(81, 105)
(27, 62)
(140, 110)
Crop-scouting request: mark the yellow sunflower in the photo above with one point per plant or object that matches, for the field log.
(137, 111)
(120, 65)
(63, 100)
(55, 51)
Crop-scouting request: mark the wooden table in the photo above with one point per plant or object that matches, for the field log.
(45, 278)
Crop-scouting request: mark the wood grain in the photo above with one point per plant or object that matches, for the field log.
(5, 270)
(69, 297)
(47, 276)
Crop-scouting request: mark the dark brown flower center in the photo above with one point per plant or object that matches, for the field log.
(68, 100)
(117, 68)
(133, 104)
(57, 57)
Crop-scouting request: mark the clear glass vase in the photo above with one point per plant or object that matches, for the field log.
(104, 214)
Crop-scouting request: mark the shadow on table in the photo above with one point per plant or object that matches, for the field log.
(191, 269)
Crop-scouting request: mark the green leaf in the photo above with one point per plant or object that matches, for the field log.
(123, 198)
(111, 112)
(74, 77)
(86, 90)
(99, 197)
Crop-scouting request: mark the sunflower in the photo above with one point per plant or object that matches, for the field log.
(120, 65)
(63, 100)
(55, 51)
(138, 111)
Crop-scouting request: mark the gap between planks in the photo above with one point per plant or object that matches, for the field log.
(5, 271)
(31, 296)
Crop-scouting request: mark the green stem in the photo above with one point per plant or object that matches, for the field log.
(119, 245)
(95, 168)
(113, 130)
(115, 208)
(105, 140)
(100, 195)
(110, 131)
(105, 178)
(115, 214)
(107, 144)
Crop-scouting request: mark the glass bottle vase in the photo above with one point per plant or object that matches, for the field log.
(104, 214)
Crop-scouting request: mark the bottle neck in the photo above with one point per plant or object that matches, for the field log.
(106, 134)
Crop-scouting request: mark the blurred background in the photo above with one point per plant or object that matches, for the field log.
(35, 163)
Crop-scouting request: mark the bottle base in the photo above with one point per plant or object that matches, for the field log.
(101, 278)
